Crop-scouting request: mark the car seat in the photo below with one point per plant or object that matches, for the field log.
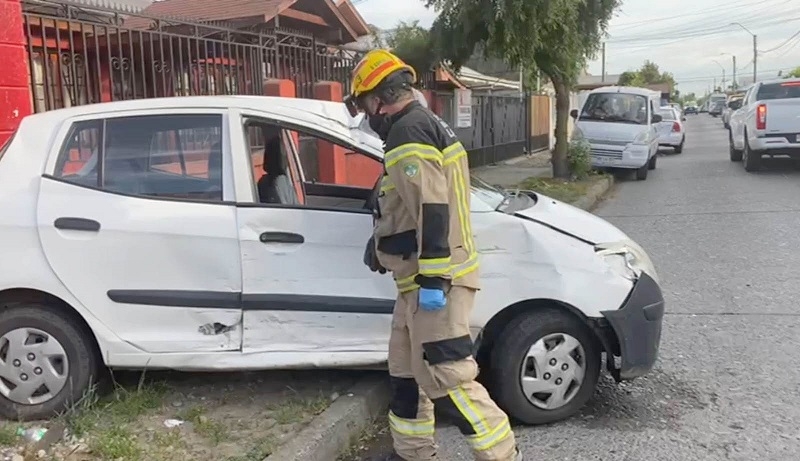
(275, 186)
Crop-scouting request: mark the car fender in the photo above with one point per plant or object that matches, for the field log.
(522, 260)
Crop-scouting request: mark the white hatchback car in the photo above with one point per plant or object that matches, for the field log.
(145, 234)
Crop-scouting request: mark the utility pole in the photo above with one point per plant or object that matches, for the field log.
(723, 80)
(755, 59)
(714, 88)
(603, 71)
(734, 73)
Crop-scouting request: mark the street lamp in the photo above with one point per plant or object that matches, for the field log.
(723, 73)
(755, 49)
(733, 79)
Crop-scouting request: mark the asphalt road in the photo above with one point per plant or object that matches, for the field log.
(727, 385)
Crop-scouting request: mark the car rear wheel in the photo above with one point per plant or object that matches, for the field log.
(735, 155)
(545, 366)
(750, 159)
(679, 147)
(47, 361)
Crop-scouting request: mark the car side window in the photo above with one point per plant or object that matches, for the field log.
(170, 156)
(275, 177)
(78, 159)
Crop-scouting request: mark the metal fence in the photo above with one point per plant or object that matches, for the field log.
(82, 55)
(500, 126)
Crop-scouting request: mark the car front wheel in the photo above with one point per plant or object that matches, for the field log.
(47, 361)
(545, 366)
(735, 155)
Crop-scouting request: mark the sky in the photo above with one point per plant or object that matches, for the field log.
(693, 39)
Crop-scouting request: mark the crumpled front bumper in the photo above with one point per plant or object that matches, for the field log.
(633, 332)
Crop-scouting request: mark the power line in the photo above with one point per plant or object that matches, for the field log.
(710, 77)
(710, 9)
(754, 21)
(782, 44)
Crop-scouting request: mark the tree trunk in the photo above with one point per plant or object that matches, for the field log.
(560, 164)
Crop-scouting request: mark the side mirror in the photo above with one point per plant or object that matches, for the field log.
(656, 118)
(574, 113)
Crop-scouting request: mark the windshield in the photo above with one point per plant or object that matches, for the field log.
(783, 90)
(615, 108)
(666, 114)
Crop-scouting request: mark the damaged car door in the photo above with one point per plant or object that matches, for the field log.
(136, 218)
(307, 297)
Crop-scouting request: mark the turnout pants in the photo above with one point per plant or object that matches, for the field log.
(431, 363)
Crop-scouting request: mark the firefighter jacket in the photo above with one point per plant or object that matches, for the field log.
(422, 226)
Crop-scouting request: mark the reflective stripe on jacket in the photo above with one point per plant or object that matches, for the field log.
(423, 230)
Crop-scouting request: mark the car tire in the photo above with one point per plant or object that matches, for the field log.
(750, 159)
(735, 155)
(510, 357)
(55, 329)
(641, 173)
(679, 147)
(651, 165)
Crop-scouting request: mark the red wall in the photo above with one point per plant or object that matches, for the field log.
(15, 93)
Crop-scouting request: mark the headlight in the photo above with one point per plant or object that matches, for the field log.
(577, 134)
(642, 138)
(627, 258)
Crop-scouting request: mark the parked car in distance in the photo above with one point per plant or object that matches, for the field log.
(715, 108)
(767, 124)
(678, 109)
(733, 104)
(619, 123)
(670, 129)
(151, 239)
(690, 109)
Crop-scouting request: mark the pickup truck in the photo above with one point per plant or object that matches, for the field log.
(768, 123)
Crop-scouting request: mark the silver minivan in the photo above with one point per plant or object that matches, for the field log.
(619, 123)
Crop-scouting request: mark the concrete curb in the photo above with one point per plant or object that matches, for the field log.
(334, 430)
(594, 194)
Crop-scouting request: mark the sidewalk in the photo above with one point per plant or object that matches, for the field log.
(509, 173)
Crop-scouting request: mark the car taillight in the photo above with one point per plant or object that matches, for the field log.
(676, 127)
(761, 117)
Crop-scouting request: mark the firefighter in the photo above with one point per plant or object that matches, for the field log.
(422, 235)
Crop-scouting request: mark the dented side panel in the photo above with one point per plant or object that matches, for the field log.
(522, 260)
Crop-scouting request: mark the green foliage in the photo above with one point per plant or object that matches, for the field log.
(579, 158)
(795, 73)
(556, 37)
(648, 74)
(412, 43)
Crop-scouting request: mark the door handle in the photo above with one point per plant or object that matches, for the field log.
(281, 237)
(78, 224)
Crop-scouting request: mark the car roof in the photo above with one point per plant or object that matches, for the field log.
(624, 89)
(780, 80)
(324, 112)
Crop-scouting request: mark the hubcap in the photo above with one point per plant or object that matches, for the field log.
(553, 370)
(33, 366)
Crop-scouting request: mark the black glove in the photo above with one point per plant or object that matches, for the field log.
(371, 258)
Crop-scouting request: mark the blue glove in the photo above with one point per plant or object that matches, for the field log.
(431, 299)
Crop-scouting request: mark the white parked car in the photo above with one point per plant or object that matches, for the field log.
(767, 124)
(144, 234)
(670, 129)
(619, 123)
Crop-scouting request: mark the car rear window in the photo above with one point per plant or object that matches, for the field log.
(780, 90)
(4, 148)
(666, 114)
